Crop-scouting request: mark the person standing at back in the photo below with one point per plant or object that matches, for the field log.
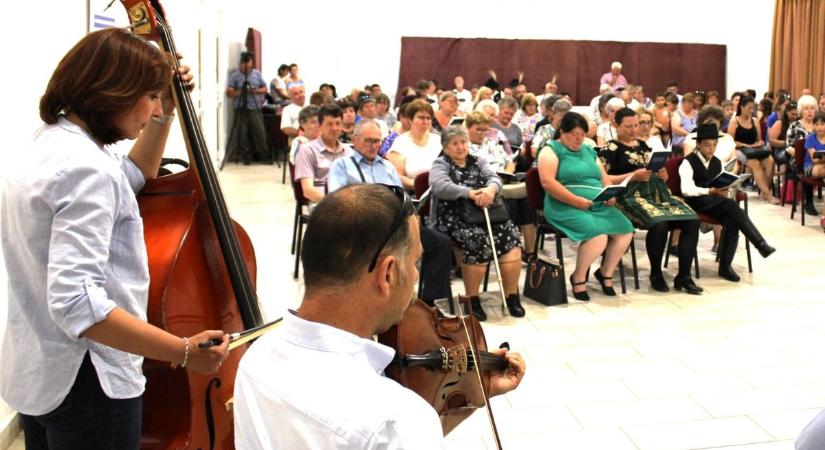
(247, 86)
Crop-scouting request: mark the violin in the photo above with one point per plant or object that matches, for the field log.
(201, 267)
(445, 361)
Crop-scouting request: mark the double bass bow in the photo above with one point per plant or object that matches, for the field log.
(445, 361)
(202, 275)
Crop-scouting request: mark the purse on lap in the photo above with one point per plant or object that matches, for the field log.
(545, 283)
(472, 214)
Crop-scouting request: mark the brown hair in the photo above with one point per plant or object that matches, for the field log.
(103, 76)
(417, 106)
(477, 118)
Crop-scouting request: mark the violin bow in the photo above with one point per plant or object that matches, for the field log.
(495, 259)
(477, 370)
(242, 337)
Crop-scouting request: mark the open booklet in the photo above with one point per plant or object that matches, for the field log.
(607, 192)
(658, 158)
(728, 180)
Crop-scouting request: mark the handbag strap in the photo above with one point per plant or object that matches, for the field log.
(360, 173)
(533, 266)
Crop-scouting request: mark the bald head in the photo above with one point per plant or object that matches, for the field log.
(297, 95)
(367, 138)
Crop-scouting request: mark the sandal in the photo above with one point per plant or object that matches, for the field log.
(583, 295)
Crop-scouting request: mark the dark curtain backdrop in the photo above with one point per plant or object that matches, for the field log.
(578, 64)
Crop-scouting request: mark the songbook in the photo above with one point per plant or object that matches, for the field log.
(611, 191)
(730, 165)
(728, 180)
(657, 160)
(819, 153)
(507, 177)
(456, 120)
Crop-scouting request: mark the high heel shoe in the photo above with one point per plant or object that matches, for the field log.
(583, 295)
(658, 283)
(727, 273)
(687, 284)
(608, 290)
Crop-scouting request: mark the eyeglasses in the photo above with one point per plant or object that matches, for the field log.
(645, 122)
(407, 209)
(372, 141)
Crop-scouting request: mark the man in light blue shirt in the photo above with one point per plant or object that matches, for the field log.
(370, 167)
(365, 166)
(247, 87)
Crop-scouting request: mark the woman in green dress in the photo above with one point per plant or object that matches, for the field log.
(648, 204)
(572, 176)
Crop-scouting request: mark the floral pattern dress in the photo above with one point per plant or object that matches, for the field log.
(645, 203)
(473, 238)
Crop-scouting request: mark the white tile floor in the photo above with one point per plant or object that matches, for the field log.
(739, 367)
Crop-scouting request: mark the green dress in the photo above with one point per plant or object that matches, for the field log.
(580, 174)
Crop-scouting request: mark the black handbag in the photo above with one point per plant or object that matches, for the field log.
(472, 214)
(545, 283)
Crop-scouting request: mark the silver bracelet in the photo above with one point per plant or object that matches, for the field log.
(165, 120)
(185, 352)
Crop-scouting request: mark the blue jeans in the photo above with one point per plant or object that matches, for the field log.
(87, 419)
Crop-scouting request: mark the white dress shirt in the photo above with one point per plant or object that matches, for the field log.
(689, 188)
(309, 386)
(73, 244)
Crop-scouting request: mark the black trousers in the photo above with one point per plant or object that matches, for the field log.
(87, 419)
(436, 262)
(656, 243)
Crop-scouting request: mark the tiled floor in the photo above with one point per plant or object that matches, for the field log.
(739, 367)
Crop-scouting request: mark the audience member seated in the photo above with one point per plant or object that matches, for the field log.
(496, 154)
(447, 109)
(289, 115)
(545, 134)
(277, 87)
(308, 130)
(528, 116)
(607, 130)
(365, 166)
(483, 93)
(367, 109)
(800, 130)
(503, 122)
(572, 175)
(314, 159)
(458, 175)
(401, 126)
(348, 114)
(614, 78)
(648, 204)
(646, 132)
(712, 98)
(383, 110)
(778, 109)
(600, 115)
(747, 134)
(778, 131)
(413, 152)
(597, 103)
(662, 112)
(814, 166)
(293, 79)
(696, 172)
(465, 97)
(683, 120)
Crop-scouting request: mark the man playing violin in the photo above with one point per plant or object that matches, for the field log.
(317, 382)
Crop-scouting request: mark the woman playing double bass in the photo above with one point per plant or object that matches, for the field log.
(73, 243)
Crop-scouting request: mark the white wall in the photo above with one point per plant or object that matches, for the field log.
(351, 45)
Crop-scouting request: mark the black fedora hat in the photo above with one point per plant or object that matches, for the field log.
(707, 131)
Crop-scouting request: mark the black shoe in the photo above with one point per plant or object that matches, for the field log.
(810, 210)
(727, 273)
(687, 284)
(514, 305)
(608, 290)
(764, 249)
(476, 309)
(657, 282)
(583, 295)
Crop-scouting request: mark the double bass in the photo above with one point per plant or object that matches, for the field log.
(201, 266)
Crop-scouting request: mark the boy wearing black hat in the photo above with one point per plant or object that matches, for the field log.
(696, 172)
